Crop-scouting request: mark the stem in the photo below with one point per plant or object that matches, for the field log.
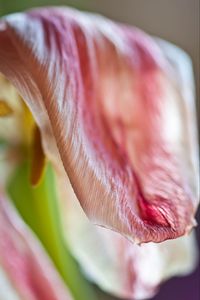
(38, 207)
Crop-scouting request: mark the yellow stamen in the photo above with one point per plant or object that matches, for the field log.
(27, 123)
(38, 158)
(5, 109)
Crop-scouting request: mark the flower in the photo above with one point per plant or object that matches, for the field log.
(114, 107)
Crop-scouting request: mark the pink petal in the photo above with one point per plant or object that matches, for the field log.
(107, 90)
(24, 260)
(116, 265)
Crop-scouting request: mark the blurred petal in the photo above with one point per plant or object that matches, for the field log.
(10, 125)
(108, 95)
(7, 291)
(29, 270)
(116, 265)
(184, 142)
(38, 206)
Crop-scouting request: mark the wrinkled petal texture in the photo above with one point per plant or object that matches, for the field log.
(29, 270)
(115, 264)
(116, 107)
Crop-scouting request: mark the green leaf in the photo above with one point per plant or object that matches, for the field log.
(38, 207)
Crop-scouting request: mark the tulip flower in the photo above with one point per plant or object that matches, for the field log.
(97, 120)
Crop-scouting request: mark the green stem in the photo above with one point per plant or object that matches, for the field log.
(39, 208)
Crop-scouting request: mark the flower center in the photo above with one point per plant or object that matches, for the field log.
(19, 130)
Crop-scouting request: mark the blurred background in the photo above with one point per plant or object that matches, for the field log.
(174, 20)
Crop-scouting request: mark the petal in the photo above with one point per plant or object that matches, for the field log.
(107, 94)
(29, 270)
(115, 264)
(7, 291)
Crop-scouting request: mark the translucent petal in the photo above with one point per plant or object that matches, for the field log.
(116, 265)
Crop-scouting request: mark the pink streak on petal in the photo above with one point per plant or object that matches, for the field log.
(29, 269)
(104, 87)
